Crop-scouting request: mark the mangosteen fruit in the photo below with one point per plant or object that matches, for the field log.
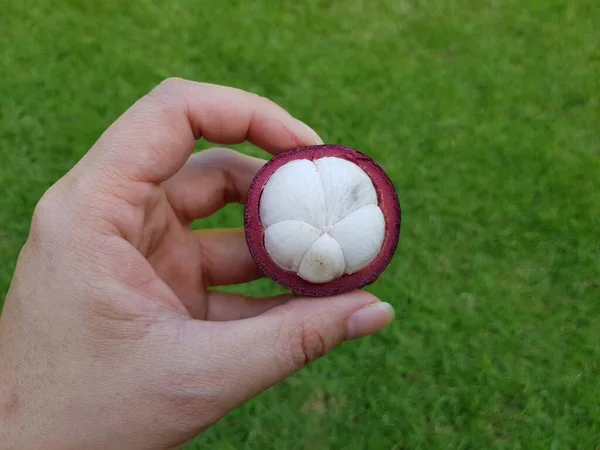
(322, 220)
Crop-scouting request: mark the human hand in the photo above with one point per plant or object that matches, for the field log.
(110, 336)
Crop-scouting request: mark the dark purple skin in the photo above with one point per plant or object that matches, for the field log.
(388, 202)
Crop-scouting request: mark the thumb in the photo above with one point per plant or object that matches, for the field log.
(268, 348)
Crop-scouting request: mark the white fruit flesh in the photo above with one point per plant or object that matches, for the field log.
(321, 218)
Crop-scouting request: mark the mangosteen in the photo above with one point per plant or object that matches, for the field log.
(322, 220)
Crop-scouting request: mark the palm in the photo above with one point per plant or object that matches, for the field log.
(178, 265)
(177, 258)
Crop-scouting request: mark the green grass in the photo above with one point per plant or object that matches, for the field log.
(486, 113)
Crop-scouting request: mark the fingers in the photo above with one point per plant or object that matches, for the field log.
(256, 353)
(287, 338)
(225, 306)
(225, 257)
(209, 180)
(153, 139)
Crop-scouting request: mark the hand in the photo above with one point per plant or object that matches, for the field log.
(110, 336)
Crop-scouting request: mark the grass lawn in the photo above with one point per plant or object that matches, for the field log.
(486, 114)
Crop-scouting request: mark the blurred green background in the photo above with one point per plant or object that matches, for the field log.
(486, 115)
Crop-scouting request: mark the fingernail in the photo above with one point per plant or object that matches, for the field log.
(370, 319)
(314, 138)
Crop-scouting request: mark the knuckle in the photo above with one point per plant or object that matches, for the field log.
(44, 213)
(220, 158)
(170, 84)
(164, 97)
(168, 104)
(70, 200)
(307, 342)
(220, 152)
(170, 94)
(214, 156)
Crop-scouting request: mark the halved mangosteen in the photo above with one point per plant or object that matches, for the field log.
(322, 220)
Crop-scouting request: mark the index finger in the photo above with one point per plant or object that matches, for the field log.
(152, 140)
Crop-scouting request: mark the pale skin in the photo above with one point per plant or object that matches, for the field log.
(114, 334)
